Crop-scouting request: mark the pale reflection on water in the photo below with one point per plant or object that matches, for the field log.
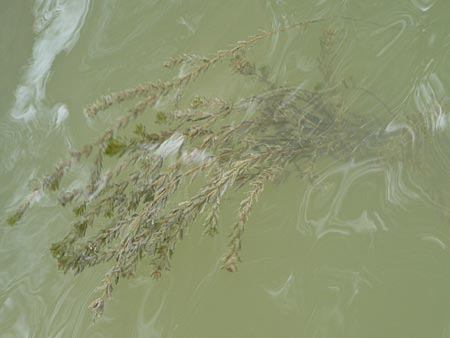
(360, 252)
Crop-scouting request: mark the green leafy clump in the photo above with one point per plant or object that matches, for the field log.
(115, 147)
(127, 211)
(14, 218)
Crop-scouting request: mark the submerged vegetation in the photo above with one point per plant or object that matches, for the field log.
(129, 209)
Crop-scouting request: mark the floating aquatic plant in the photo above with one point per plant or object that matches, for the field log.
(129, 210)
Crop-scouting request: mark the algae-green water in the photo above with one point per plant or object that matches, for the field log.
(360, 251)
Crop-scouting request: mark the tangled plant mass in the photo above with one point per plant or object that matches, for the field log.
(129, 210)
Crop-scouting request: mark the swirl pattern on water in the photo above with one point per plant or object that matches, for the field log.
(57, 27)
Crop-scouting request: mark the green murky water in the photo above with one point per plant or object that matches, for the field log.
(363, 251)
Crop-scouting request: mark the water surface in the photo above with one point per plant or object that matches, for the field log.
(362, 251)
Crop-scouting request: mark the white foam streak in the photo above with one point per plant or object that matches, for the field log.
(62, 112)
(170, 146)
(402, 23)
(427, 96)
(57, 27)
(195, 156)
(435, 240)
(397, 191)
(283, 290)
(423, 5)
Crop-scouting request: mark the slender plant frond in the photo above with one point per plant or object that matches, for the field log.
(130, 209)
